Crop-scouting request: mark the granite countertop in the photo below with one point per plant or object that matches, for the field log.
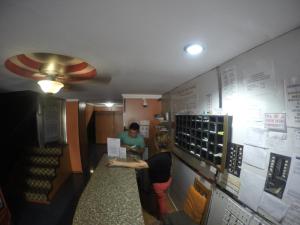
(110, 198)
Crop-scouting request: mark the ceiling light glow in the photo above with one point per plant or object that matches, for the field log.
(50, 86)
(109, 104)
(193, 49)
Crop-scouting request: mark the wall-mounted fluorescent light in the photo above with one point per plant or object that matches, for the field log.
(193, 49)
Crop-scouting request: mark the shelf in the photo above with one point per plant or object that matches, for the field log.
(205, 137)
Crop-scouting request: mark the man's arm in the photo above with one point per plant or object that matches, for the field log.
(136, 150)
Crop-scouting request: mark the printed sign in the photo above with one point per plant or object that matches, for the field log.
(293, 104)
(275, 121)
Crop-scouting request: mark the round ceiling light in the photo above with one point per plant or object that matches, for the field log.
(193, 49)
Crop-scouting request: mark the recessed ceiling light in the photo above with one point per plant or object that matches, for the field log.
(193, 49)
(109, 104)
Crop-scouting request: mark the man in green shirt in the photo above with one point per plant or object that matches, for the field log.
(133, 141)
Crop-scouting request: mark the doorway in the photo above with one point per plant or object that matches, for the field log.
(108, 124)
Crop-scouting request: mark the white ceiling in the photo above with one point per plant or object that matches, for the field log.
(139, 43)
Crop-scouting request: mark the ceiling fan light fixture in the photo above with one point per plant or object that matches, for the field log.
(52, 69)
(50, 86)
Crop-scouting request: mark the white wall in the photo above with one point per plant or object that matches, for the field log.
(279, 62)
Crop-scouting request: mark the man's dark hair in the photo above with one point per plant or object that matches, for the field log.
(134, 126)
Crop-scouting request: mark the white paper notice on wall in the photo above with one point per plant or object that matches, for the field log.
(251, 189)
(144, 128)
(297, 138)
(255, 113)
(255, 156)
(273, 206)
(229, 82)
(293, 103)
(258, 221)
(256, 136)
(275, 121)
(294, 139)
(208, 103)
(277, 141)
(292, 190)
(293, 215)
(184, 100)
(113, 147)
(259, 78)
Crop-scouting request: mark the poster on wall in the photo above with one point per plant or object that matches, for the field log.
(293, 215)
(258, 78)
(294, 139)
(292, 192)
(256, 136)
(251, 188)
(209, 103)
(273, 206)
(185, 100)
(144, 128)
(255, 156)
(277, 141)
(293, 104)
(229, 82)
(229, 79)
(275, 121)
(277, 175)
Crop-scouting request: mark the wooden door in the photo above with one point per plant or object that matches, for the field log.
(104, 126)
(108, 124)
(118, 123)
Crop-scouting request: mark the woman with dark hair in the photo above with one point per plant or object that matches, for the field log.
(159, 167)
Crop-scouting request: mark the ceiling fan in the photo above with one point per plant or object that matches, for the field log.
(54, 71)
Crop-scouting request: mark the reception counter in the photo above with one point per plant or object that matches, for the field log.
(110, 198)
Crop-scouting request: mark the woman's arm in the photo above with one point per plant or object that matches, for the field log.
(140, 164)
